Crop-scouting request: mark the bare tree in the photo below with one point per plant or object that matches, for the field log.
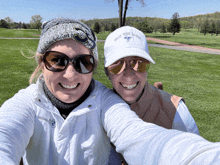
(123, 7)
(9, 21)
(185, 24)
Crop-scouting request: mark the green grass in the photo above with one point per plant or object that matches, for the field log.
(191, 37)
(19, 33)
(194, 76)
(99, 73)
(102, 36)
(15, 68)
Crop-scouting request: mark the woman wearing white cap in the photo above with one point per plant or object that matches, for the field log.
(127, 61)
(68, 118)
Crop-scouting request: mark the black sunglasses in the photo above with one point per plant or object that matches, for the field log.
(58, 62)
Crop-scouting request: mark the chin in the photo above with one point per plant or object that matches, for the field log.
(67, 99)
(129, 101)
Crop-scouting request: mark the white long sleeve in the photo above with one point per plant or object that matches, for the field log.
(16, 128)
(183, 120)
(146, 143)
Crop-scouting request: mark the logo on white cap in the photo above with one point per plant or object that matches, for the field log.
(127, 38)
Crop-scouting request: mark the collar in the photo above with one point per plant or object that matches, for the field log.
(40, 98)
(66, 108)
(145, 101)
(42, 101)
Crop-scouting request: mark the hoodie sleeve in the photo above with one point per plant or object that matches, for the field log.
(16, 128)
(146, 143)
(183, 120)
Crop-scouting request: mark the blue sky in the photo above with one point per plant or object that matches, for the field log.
(22, 10)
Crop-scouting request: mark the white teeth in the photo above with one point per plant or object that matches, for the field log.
(69, 86)
(129, 86)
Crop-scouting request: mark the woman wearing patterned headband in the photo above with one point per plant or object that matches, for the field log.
(68, 118)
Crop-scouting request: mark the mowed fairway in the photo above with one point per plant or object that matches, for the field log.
(19, 33)
(194, 76)
(190, 37)
(15, 69)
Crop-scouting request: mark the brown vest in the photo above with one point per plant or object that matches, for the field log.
(156, 106)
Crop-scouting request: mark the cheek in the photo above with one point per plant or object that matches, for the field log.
(86, 78)
(143, 78)
(46, 74)
(49, 77)
(113, 79)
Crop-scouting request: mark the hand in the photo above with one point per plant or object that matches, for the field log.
(159, 85)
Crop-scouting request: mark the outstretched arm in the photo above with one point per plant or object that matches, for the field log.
(183, 120)
(16, 128)
(146, 143)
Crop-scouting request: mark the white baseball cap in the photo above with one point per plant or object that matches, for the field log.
(123, 42)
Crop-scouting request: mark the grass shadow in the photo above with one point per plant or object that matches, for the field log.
(163, 36)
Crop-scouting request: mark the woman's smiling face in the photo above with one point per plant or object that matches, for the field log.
(68, 85)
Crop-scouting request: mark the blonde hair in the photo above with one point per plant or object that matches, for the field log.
(37, 72)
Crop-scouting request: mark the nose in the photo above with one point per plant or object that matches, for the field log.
(129, 71)
(70, 71)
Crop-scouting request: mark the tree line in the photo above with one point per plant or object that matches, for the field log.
(212, 27)
(207, 23)
(35, 23)
(143, 25)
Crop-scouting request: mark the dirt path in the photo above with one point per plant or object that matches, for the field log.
(179, 46)
(167, 45)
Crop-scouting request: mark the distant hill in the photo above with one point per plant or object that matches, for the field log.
(131, 21)
(200, 19)
(194, 21)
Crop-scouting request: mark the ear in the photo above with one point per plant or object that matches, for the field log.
(107, 73)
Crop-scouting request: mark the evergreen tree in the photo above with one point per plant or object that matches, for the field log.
(113, 27)
(24, 26)
(106, 28)
(19, 24)
(3, 24)
(144, 27)
(205, 27)
(212, 29)
(163, 29)
(217, 28)
(116, 26)
(175, 23)
(97, 27)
